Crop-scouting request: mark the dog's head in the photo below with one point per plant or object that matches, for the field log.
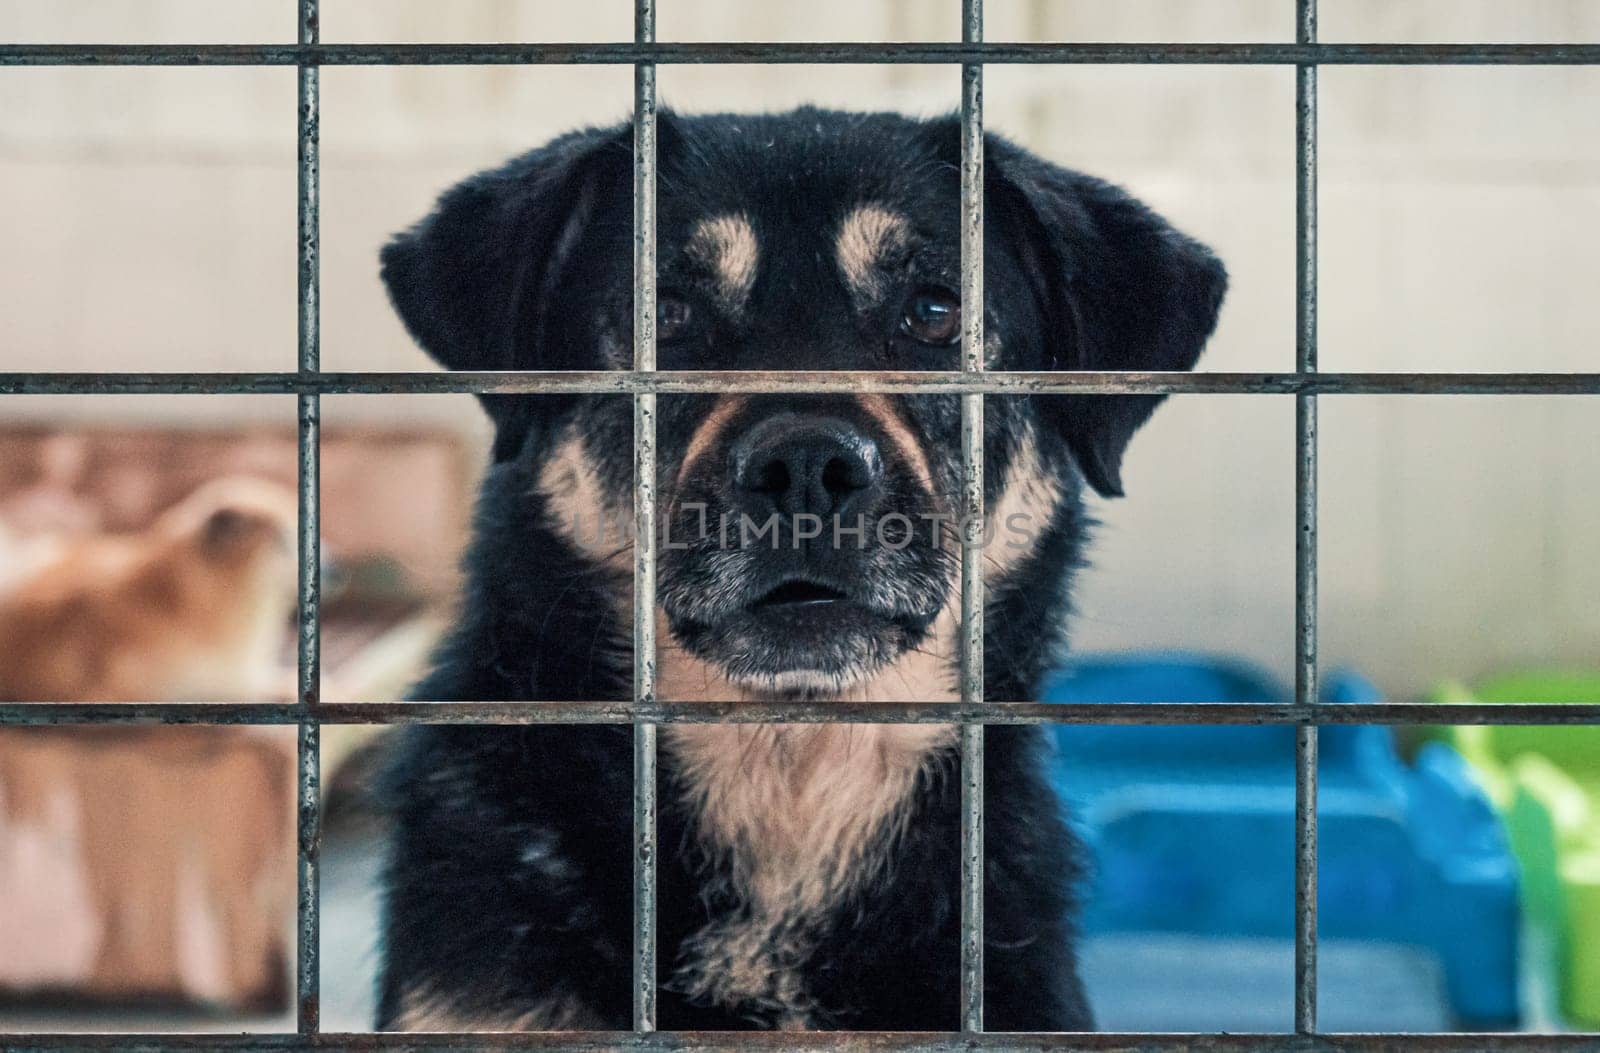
(242, 531)
(811, 540)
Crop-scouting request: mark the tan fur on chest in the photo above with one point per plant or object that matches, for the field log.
(802, 812)
(800, 816)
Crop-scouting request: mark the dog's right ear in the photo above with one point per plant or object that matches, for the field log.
(471, 280)
(1124, 291)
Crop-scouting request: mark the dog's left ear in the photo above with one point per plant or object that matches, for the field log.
(1122, 290)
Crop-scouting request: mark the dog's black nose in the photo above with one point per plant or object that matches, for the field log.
(793, 464)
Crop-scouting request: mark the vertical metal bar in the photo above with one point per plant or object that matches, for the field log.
(309, 811)
(1305, 678)
(972, 340)
(644, 561)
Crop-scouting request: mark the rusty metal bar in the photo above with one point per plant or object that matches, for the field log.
(1305, 545)
(709, 381)
(972, 509)
(838, 1041)
(308, 821)
(38, 714)
(644, 511)
(753, 53)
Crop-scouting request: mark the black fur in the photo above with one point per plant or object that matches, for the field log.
(511, 869)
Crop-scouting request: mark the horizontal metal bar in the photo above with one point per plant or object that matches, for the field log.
(856, 1042)
(798, 712)
(704, 381)
(741, 53)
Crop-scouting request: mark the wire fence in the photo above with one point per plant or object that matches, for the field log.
(308, 383)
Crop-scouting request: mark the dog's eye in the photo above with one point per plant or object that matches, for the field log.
(933, 316)
(673, 318)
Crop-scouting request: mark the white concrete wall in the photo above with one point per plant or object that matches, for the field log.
(148, 223)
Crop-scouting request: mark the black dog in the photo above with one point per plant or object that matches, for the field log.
(808, 874)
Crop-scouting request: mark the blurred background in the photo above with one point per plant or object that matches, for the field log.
(148, 220)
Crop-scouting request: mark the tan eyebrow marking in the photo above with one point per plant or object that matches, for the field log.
(864, 238)
(727, 246)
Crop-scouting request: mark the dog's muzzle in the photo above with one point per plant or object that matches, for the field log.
(792, 572)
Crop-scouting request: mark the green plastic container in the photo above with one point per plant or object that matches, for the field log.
(1546, 782)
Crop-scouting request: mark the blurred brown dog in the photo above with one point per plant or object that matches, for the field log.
(192, 609)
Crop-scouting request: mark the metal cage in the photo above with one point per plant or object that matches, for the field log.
(643, 383)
